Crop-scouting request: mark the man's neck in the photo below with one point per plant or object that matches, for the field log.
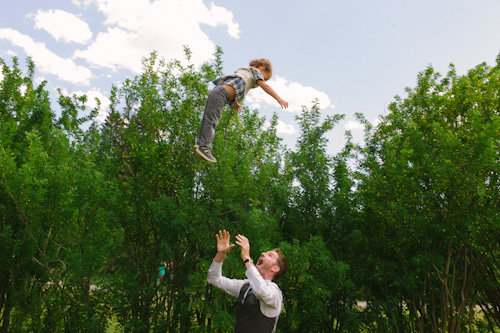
(267, 277)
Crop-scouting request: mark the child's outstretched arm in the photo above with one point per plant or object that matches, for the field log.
(267, 88)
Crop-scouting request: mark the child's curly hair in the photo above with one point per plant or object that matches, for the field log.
(263, 62)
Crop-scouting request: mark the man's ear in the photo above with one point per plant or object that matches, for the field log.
(275, 269)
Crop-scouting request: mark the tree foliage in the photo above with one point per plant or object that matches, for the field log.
(429, 182)
(90, 213)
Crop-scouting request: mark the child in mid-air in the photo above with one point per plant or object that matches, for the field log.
(230, 89)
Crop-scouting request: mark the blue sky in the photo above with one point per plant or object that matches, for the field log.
(353, 55)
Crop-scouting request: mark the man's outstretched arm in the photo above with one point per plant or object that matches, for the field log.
(214, 276)
(270, 294)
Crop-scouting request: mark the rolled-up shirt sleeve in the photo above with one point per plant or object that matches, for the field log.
(215, 278)
(266, 291)
(257, 75)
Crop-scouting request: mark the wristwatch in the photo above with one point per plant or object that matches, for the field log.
(248, 260)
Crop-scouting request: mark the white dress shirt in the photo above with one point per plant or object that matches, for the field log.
(266, 291)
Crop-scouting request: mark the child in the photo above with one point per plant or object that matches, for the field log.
(230, 89)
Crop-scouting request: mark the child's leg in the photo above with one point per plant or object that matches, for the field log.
(217, 98)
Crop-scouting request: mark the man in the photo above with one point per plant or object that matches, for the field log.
(259, 298)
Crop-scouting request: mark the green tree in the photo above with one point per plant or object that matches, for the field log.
(171, 204)
(430, 198)
(311, 211)
(316, 290)
(317, 211)
(54, 208)
(23, 107)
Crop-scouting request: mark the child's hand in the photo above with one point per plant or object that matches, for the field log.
(237, 107)
(283, 103)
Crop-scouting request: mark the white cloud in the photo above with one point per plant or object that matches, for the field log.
(105, 102)
(39, 79)
(92, 94)
(63, 26)
(356, 125)
(23, 88)
(282, 127)
(47, 61)
(353, 125)
(114, 49)
(294, 93)
(221, 16)
(138, 27)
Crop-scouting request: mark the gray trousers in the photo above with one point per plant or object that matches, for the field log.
(217, 98)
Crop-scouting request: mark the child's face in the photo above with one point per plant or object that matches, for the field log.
(265, 73)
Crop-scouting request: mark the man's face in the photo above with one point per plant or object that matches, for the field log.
(266, 261)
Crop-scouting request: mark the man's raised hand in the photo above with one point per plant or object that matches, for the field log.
(223, 245)
(245, 246)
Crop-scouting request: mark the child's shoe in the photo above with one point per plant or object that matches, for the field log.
(205, 153)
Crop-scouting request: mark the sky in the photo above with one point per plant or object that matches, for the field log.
(354, 56)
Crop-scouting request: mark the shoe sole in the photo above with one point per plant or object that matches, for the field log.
(202, 156)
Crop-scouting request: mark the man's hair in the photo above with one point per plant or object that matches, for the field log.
(282, 264)
(263, 62)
